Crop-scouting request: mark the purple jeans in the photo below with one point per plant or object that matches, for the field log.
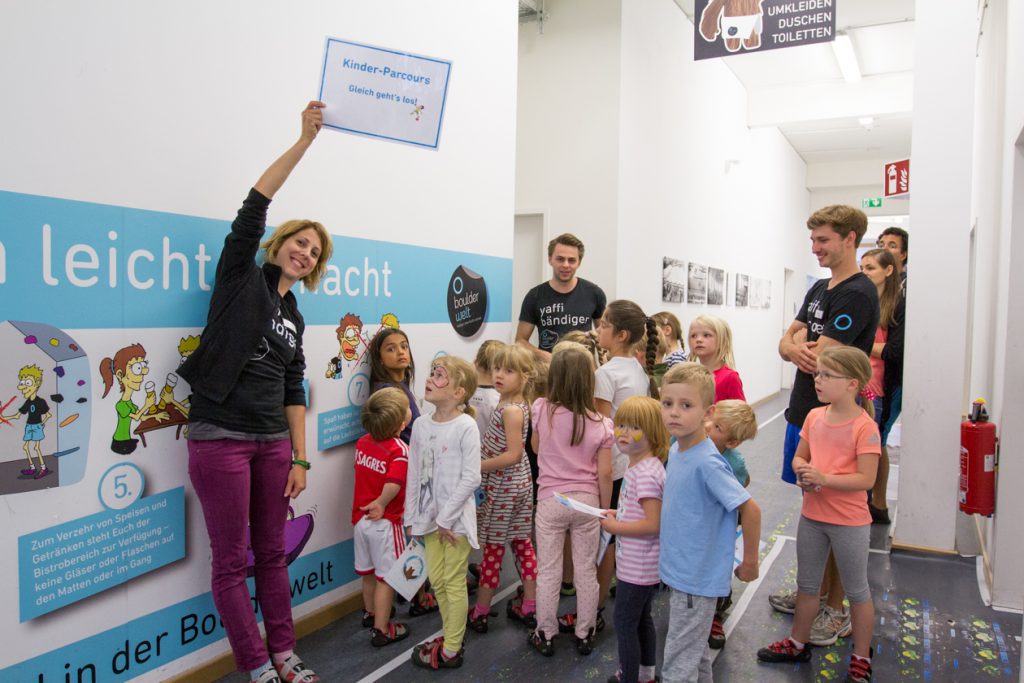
(242, 483)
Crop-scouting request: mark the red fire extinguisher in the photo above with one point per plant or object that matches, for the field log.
(978, 462)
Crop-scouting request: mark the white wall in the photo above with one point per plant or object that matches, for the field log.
(999, 210)
(610, 129)
(568, 123)
(681, 121)
(942, 150)
(179, 110)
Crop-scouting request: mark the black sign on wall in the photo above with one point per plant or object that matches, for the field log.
(467, 301)
(726, 27)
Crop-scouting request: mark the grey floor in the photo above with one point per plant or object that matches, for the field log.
(931, 622)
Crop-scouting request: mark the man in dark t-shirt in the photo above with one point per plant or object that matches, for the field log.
(842, 309)
(563, 303)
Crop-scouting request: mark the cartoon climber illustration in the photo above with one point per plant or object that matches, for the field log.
(30, 379)
(417, 111)
(187, 345)
(129, 367)
(350, 338)
(739, 21)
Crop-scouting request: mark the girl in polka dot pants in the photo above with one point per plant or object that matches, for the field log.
(506, 515)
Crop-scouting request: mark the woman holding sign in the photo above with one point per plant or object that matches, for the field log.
(247, 441)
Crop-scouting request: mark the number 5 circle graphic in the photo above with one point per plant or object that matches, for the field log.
(121, 485)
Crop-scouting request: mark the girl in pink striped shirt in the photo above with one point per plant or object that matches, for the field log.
(639, 433)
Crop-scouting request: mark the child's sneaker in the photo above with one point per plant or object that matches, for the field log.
(716, 641)
(860, 670)
(425, 605)
(829, 626)
(514, 610)
(268, 676)
(395, 632)
(585, 645)
(430, 655)
(784, 651)
(479, 624)
(29, 471)
(567, 622)
(618, 677)
(541, 643)
(42, 473)
(292, 670)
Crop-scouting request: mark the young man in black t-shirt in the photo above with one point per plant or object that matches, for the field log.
(563, 303)
(842, 309)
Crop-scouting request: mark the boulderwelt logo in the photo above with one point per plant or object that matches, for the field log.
(467, 301)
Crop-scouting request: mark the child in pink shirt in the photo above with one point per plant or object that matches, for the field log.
(573, 445)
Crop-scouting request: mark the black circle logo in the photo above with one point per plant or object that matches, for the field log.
(467, 301)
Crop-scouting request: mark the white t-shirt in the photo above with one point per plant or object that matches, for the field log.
(484, 401)
(617, 380)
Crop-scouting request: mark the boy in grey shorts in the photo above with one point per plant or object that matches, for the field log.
(702, 498)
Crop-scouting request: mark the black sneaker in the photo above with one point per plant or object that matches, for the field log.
(541, 643)
(479, 624)
(784, 651)
(395, 632)
(585, 645)
(514, 610)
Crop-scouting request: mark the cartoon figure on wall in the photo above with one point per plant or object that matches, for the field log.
(56, 419)
(129, 367)
(37, 412)
(350, 338)
(740, 23)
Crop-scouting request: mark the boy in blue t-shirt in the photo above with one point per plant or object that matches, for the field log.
(733, 423)
(702, 498)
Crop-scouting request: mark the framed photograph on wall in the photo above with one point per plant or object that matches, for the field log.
(742, 290)
(716, 286)
(673, 280)
(697, 284)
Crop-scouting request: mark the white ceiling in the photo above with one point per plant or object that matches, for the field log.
(802, 92)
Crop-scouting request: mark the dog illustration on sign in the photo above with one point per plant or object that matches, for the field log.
(738, 21)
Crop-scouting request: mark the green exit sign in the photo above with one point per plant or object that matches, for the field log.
(871, 203)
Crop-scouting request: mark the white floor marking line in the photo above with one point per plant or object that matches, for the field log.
(401, 659)
(771, 419)
(748, 592)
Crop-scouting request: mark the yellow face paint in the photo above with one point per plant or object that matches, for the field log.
(638, 436)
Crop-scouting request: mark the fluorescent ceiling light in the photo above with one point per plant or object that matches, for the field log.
(842, 47)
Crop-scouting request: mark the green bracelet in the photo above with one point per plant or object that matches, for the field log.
(301, 463)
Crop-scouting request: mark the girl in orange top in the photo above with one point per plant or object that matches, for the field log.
(835, 462)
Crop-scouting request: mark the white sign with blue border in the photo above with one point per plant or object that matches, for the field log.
(383, 93)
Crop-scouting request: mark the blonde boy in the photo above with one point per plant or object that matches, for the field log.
(702, 498)
(732, 423)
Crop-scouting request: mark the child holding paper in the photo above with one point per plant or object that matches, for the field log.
(381, 463)
(573, 444)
